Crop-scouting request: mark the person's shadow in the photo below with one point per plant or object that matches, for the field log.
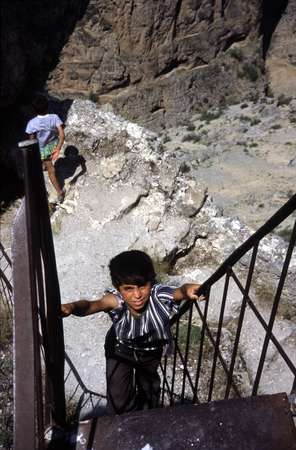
(67, 166)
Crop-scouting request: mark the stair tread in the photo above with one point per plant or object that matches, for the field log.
(253, 423)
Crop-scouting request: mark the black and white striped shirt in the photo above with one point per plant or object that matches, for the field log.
(151, 329)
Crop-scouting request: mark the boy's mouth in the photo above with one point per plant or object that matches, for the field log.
(138, 303)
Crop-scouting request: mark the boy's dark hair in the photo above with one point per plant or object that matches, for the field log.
(132, 267)
(40, 104)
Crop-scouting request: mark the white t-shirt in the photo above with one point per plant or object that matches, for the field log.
(45, 128)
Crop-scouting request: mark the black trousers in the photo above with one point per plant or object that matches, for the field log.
(133, 382)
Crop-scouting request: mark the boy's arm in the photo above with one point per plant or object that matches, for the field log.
(188, 291)
(86, 307)
(61, 135)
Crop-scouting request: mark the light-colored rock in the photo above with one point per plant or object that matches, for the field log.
(154, 201)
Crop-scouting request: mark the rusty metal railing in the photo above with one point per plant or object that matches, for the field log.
(191, 374)
(5, 350)
(39, 388)
(39, 399)
(5, 281)
(43, 370)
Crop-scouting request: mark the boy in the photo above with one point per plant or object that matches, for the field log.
(48, 130)
(140, 310)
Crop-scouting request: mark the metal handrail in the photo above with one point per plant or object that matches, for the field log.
(285, 211)
(226, 270)
(37, 302)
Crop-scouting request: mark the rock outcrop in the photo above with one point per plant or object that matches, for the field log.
(133, 193)
(151, 60)
(155, 61)
(281, 56)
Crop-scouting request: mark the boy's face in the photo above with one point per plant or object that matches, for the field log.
(135, 296)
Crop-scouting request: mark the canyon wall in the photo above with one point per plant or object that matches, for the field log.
(155, 61)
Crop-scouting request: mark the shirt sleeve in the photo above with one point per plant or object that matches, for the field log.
(57, 120)
(116, 312)
(165, 294)
(30, 129)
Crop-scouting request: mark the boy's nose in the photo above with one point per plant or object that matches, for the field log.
(137, 293)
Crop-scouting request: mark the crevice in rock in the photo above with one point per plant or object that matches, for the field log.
(177, 13)
(224, 4)
(157, 108)
(233, 39)
(177, 253)
(272, 11)
(133, 205)
(173, 65)
(201, 205)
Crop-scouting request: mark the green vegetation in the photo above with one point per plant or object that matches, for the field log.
(248, 71)
(277, 126)
(191, 137)
(93, 97)
(194, 338)
(208, 116)
(245, 118)
(237, 54)
(255, 121)
(285, 233)
(191, 127)
(166, 138)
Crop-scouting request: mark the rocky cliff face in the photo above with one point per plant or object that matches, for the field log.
(156, 60)
(32, 36)
(281, 56)
(150, 59)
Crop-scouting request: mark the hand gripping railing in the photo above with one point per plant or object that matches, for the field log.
(181, 382)
(39, 400)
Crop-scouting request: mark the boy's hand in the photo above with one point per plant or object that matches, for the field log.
(67, 309)
(55, 154)
(188, 291)
(191, 292)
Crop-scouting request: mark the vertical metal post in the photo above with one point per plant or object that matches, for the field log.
(35, 279)
(24, 348)
(219, 334)
(241, 318)
(186, 352)
(274, 310)
(174, 362)
(202, 337)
